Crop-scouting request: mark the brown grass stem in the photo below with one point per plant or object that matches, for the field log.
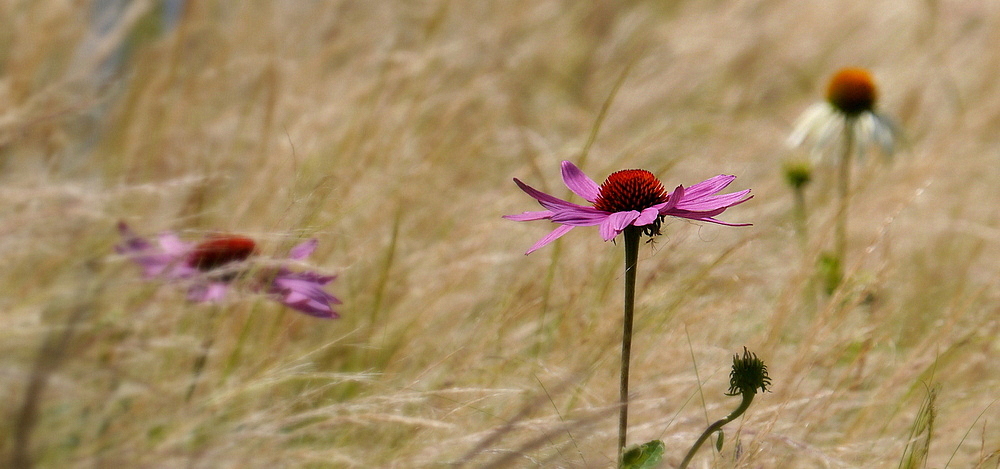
(50, 356)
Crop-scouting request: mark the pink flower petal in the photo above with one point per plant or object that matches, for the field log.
(155, 261)
(709, 186)
(617, 222)
(676, 196)
(530, 216)
(714, 202)
(579, 183)
(583, 216)
(554, 235)
(546, 200)
(303, 292)
(303, 250)
(172, 244)
(647, 217)
(207, 292)
(697, 202)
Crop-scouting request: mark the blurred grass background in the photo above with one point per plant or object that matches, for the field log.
(391, 132)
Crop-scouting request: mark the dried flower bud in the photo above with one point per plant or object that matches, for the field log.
(749, 373)
(798, 173)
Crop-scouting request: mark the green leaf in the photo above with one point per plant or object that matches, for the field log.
(644, 456)
(718, 444)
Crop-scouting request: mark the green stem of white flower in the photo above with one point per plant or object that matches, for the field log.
(844, 192)
(801, 217)
(632, 234)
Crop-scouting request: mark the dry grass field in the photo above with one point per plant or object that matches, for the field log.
(390, 131)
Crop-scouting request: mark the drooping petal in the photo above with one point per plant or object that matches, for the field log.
(708, 215)
(579, 183)
(153, 260)
(872, 128)
(811, 119)
(546, 200)
(303, 292)
(207, 292)
(707, 203)
(172, 244)
(554, 235)
(303, 250)
(583, 216)
(530, 216)
(676, 196)
(133, 242)
(617, 222)
(698, 201)
(708, 186)
(647, 216)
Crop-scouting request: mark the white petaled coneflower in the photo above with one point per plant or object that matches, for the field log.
(851, 97)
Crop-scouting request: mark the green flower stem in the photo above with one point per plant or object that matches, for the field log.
(747, 399)
(844, 191)
(801, 217)
(632, 234)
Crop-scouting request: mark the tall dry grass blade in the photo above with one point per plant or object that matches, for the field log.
(919, 441)
(51, 355)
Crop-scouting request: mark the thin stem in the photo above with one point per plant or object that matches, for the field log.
(844, 192)
(202, 359)
(234, 356)
(801, 217)
(744, 405)
(632, 234)
(550, 277)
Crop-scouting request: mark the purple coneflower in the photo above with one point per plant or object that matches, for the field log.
(211, 266)
(631, 197)
(632, 202)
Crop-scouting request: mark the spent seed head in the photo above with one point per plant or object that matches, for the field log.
(749, 373)
(852, 91)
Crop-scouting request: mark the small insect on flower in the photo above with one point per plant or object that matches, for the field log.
(851, 97)
(630, 197)
(211, 268)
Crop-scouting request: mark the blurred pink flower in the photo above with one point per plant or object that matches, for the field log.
(631, 197)
(211, 266)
